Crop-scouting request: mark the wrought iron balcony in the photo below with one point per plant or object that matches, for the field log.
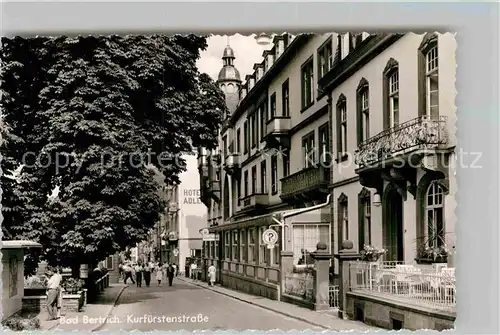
(423, 132)
(311, 180)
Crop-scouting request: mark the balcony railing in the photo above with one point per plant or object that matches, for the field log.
(423, 132)
(305, 180)
(278, 125)
(258, 198)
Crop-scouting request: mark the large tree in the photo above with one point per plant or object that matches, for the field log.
(93, 113)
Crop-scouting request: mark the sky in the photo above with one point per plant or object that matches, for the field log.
(246, 51)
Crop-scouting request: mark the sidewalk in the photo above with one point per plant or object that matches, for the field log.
(92, 316)
(327, 320)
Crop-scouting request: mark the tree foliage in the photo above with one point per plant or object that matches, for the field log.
(87, 115)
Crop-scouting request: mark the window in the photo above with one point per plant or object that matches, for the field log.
(254, 180)
(305, 238)
(342, 126)
(325, 55)
(324, 145)
(262, 115)
(245, 181)
(262, 247)
(255, 130)
(226, 246)
(286, 100)
(307, 83)
(238, 140)
(342, 219)
(274, 174)
(245, 136)
(286, 164)
(434, 212)
(224, 147)
(217, 175)
(235, 248)
(238, 190)
(363, 111)
(263, 177)
(308, 149)
(364, 229)
(394, 98)
(251, 245)
(272, 109)
(242, 245)
(432, 82)
(210, 250)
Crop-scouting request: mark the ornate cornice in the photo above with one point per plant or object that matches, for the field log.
(365, 193)
(428, 41)
(391, 65)
(362, 84)
(341, 99)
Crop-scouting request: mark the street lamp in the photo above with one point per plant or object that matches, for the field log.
(263, 39)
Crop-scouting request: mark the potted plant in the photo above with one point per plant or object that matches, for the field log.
(370, 253)
(433, 249)
(35, 286)
(72, 285)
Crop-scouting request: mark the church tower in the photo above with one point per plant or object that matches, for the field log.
(229, 79)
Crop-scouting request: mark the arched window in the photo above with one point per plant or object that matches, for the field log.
(434, 207)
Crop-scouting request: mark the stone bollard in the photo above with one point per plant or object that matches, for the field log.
(345, 256)
(321, 277)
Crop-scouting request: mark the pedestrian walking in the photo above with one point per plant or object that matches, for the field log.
(120, 270)
(53, 287)
(147, 273)
(59, 293)
(159, 274)
(170, 274)
(211, 274)
(194, 271)
(138, 274)
(127, 273)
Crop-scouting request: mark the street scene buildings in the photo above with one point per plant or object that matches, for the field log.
(346, 140)
(269, 181)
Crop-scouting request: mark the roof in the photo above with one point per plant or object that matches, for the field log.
(20, 244)
(229, 72)
(228, 52)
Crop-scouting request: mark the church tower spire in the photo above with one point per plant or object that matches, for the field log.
(229, 78)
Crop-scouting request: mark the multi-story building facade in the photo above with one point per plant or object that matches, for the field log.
(335, 137)
(265, 173)
(393, 115)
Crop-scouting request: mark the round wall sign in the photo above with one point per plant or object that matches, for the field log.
(270, 236)
(176, 252)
